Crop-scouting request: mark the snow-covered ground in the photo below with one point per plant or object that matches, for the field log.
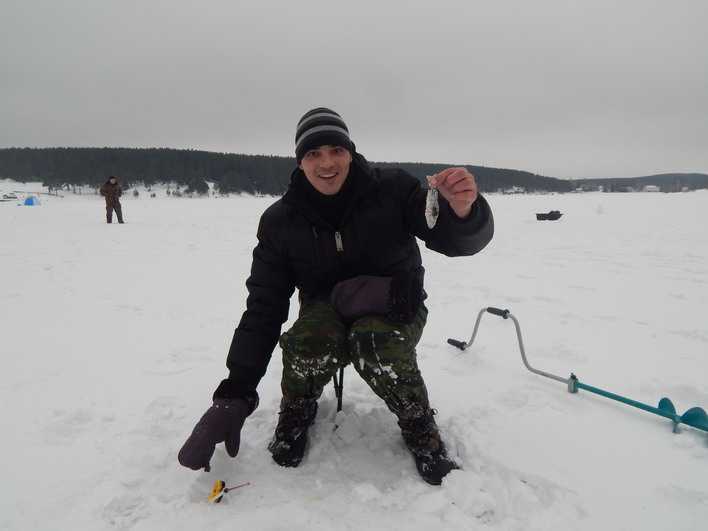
(113, 337)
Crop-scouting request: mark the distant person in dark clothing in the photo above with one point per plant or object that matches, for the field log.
(112, 191)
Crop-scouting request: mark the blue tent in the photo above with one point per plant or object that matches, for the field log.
(31, 201)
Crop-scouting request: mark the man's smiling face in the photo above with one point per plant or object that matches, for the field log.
(326, 168)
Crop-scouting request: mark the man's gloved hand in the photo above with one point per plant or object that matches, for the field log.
(221, 422)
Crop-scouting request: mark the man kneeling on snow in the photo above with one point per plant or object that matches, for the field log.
(344, 234)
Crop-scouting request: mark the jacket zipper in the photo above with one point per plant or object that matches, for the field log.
(317, 245)
(338, 240)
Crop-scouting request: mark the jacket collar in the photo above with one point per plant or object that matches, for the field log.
(359, 170)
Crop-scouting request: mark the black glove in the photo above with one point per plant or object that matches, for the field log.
(221, 422)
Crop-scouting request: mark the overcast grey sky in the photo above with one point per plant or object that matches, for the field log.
(596, 88)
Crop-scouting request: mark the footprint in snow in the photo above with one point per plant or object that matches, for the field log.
(684, 496)
(694, 335)
(162, 416)
(65, 426)
(123, 512)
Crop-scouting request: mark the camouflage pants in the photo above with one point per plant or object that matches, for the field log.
(381, 351)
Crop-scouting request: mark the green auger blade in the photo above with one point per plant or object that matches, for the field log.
(696, 417)
(667, 405)
(668, 410)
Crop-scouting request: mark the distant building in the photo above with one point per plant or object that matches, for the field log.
(651, 188)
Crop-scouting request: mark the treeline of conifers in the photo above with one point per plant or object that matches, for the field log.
(230, 172)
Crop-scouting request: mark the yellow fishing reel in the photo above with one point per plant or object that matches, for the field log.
(219, 489)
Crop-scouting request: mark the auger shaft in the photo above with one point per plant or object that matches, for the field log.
(695, 417)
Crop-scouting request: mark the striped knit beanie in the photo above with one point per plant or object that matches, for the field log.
(321, 127)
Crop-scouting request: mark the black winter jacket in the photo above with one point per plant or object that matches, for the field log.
(298, 249)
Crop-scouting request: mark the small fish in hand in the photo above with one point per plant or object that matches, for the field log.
(432, 208)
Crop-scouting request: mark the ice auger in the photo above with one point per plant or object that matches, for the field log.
(695, 417)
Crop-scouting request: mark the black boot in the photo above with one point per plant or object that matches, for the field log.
(420, 432)
(290, 439)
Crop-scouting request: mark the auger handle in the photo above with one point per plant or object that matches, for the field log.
(457, 343)
(501, 313)
(505, 314)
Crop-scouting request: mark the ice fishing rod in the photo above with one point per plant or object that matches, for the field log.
(695, 417)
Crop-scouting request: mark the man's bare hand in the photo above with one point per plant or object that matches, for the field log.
(458, 186)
